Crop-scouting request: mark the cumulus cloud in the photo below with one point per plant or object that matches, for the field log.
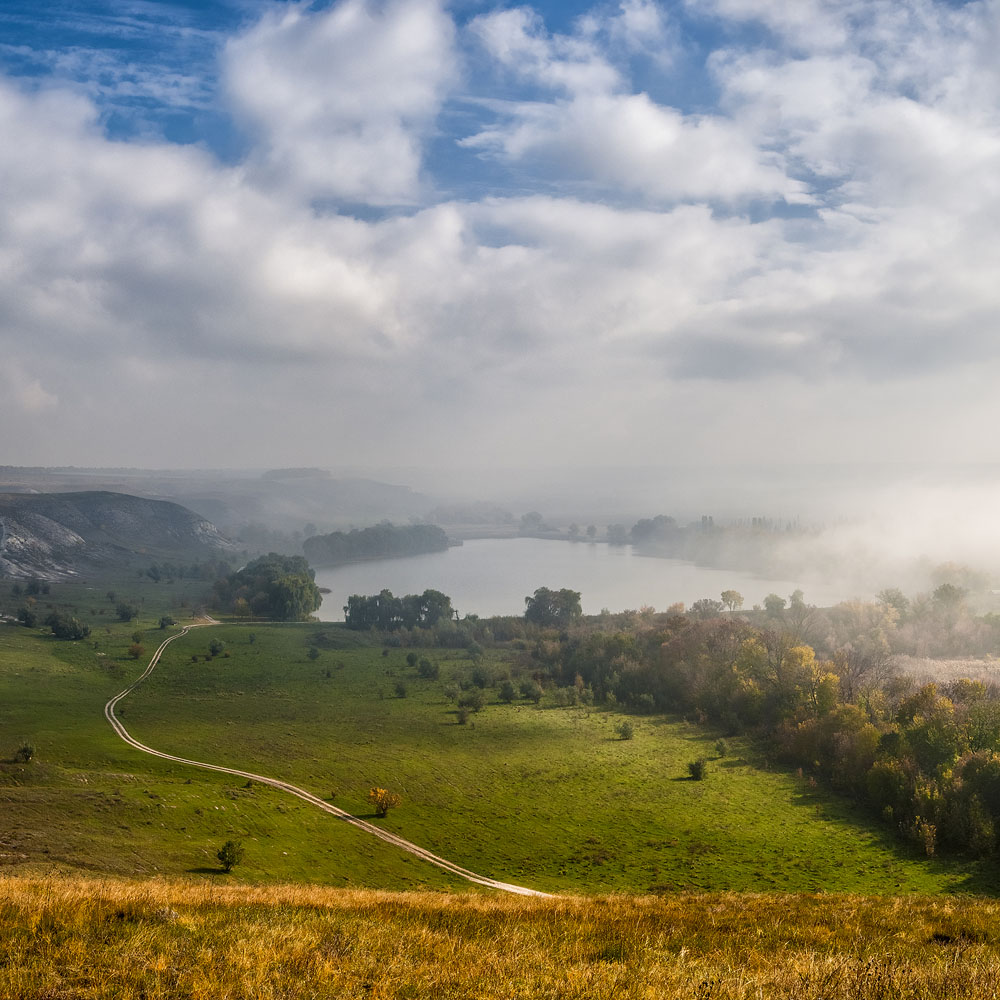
(340, 102)
(807, 259)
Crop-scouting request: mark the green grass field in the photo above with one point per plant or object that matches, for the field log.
(544, 796)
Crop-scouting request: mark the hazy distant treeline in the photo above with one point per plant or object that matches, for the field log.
(378, 542)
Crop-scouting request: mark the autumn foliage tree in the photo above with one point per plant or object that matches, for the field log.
(383, 800)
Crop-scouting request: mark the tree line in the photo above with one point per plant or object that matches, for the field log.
(378, 542)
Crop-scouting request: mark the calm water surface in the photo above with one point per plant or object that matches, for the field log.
(491, 576)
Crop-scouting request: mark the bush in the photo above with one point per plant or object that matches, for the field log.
(698, 769)
(216, 646)
(126, 611)
(532, 691)
(65, 627)
(27, 617)
(721, 747)
(24, 753)
(462, 715)
(474, 699)
(230, 854)
(507, 692)
(425, 669)
(313, 653)
(625, 730)
(400, 689)
(136, 650)
(383, 800)
(166, 621)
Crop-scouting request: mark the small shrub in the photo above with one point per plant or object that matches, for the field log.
(383, 800)
(166, 621)
(24, 753)
(698, 769)
(462, 716)
(411, 659)
(230, 854)
(400, 689)
(126, 611)
(313, 653)
(426, 669)
(136, 650)
(507, 692)
(721, 747)
(625, 730)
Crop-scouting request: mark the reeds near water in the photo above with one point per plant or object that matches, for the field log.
(73, 938)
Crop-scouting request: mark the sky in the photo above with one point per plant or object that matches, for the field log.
(251, 233)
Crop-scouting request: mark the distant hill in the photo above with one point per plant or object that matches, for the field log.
(59, 536)
(287, 500)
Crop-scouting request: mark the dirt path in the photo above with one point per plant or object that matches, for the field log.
(301, 793)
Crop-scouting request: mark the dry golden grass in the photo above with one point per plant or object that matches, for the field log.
(159, 939)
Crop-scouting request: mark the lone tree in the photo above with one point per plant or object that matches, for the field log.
(552, 607)
(230, 854)
(732, 599)
(383, 800)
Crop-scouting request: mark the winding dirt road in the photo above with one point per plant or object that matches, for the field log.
(301, 793)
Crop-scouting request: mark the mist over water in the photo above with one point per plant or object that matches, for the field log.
(493, 576)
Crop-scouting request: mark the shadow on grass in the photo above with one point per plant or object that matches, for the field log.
(207, 871)
(960, 873)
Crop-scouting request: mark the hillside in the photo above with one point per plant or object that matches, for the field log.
(165, 939)
(59, 536)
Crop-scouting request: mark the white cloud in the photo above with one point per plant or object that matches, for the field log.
(147, 283)
(627, 143)
(339, 102)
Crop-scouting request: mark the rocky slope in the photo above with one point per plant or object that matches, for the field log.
(60, 536)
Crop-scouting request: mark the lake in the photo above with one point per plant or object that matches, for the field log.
(492, 576)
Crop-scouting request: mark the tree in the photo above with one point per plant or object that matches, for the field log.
(732, 599)
(136, 650)
(230, 854)
(275, 586)
(126, 611)
(552, 607)
(383, 800)
(774, 605)
(706, 608)
(532, 522)
(617, 534)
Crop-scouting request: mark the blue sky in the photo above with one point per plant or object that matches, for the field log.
(269, 233)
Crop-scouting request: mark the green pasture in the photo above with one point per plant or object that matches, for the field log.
(545, 796)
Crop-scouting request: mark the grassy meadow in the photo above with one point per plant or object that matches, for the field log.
(85, 939)
(544, 796)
